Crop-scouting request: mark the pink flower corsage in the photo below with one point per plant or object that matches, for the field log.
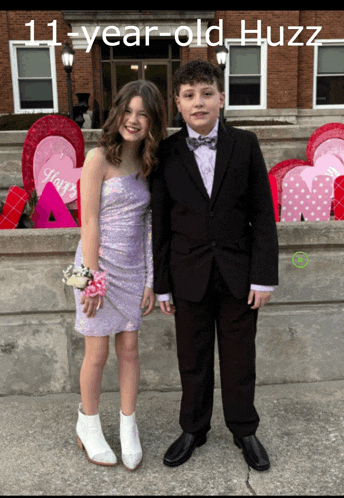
(96, 286)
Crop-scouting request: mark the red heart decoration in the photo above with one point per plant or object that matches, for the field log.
(51, 125)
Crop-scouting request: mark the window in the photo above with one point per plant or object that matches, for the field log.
(245, 75)
(329, 74)
(33, 78)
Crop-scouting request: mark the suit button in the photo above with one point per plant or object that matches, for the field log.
(211, 214)
(213, 243)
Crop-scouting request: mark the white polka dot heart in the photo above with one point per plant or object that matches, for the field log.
(309, 189)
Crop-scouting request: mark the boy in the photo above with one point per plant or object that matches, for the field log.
(215, 249)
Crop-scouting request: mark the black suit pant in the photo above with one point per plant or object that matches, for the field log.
(236, 330)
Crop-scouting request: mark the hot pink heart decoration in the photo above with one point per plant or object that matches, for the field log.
(54, 161)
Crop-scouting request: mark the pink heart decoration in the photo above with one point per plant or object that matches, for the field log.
(54, 161)
(325, 165)
(60, 172)
(325, 156)
(332, 146)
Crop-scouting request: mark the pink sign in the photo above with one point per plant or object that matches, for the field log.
(51, 202)
(54, 161)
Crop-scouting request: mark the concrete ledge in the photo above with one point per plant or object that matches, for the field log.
(39, 241)
(300, 333)
(277, 143)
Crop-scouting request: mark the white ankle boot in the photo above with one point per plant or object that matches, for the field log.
(130, 442)
(90, 438)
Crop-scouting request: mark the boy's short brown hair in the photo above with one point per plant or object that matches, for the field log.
(198, 71)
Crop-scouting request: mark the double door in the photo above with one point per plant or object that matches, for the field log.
(117, 73)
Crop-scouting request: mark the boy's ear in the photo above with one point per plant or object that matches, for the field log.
(176, 99)
(222, 99)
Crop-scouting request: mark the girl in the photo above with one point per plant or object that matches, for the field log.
(116, 246)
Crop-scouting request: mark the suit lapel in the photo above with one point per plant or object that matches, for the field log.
(189, 161)
(225, 143)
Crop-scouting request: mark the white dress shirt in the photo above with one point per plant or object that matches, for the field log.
(205, 159)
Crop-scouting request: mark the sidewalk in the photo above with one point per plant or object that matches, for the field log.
(302, 428)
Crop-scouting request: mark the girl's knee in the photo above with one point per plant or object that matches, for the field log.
(97, 354)
(97, 360)
(129, 353)
(127, 347)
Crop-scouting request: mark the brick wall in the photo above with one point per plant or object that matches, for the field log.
(332, 22)
(6, 101)
(282, 61)
(289, 69)
(12, 27)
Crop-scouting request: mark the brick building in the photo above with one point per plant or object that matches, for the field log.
(284, 77)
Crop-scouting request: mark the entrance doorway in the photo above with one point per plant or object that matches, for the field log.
(156, 62)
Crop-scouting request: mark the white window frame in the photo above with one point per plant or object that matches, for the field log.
(14, 44)
(315, 74)
(263, 76)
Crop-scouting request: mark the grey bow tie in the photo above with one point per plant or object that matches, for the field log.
(194, 143)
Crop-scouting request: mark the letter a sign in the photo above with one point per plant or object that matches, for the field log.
(51, 202)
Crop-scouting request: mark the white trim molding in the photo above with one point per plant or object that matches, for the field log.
(230, 42)
(337, 42)
(14, 44)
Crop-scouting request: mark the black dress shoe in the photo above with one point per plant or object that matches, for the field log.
(181, 450)
(254, 452)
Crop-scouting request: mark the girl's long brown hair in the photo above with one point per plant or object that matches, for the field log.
(110, 138)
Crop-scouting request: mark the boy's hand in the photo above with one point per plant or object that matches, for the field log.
(167, 308)
(259, 298)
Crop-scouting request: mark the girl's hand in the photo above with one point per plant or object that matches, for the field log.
(149, 296)
(91, 304)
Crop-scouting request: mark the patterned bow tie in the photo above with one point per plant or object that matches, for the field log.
(194, 143)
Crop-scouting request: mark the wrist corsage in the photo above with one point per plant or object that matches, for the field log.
(77, 276)
(82, 278)
(96, 286)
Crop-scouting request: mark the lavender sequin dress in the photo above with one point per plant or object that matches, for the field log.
(125, 252)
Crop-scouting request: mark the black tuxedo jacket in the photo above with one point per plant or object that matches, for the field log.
(236, 225)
